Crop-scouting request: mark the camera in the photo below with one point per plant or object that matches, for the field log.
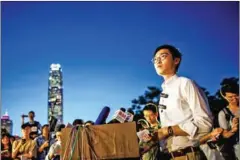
(24, 115)
(212, 144)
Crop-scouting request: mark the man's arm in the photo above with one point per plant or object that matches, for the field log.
(44, 145)
(50, 154)
(201, 121)
(233, 130)
(32, 152)
(211, 136)
(15, 148)
(22, 119)
(165, 132)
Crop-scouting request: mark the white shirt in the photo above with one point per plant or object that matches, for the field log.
(186, 105)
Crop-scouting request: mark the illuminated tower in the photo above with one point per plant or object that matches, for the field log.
(6, 123)
(55, 93)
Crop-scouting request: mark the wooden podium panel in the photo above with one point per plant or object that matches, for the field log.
(108, 141)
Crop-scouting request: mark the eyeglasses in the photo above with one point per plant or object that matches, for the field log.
(159, 58)
(232, 97)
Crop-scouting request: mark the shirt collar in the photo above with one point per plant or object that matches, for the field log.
(169, 81)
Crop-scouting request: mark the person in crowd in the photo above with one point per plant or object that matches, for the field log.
(43, 142)
(151, 149)
(35, 125)
(6, 147)
(228, 119)
(78, 122)
(89, 123)
(24, 148)
(55, 149)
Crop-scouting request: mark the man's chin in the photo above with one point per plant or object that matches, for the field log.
(160, 73)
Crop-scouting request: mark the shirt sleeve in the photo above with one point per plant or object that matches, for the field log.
(14, 145)
(50, 151)
(33, 148)
(38, 142)
(201, 122)
(222, 120)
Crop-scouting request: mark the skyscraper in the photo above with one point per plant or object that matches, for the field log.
(6, 123)
(55, 93)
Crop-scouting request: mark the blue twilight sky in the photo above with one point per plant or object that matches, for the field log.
(105, 50)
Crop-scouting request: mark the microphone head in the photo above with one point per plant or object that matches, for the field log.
(119, 116)
(129, 110)
(130, 115)
(113, 121)
(102, 116)
(123, 109)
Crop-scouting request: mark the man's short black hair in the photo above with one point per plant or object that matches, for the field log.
(45, 125)
(77, 122)
(31, 112)
(59, 127)
(173, 50)
(91, 122)
(231, 88)
(150, 107)
(25, 125)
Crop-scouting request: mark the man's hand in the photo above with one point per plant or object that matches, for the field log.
(235, 122)
(43, 146)
(46, 144)
(216, 133)
(146, 138)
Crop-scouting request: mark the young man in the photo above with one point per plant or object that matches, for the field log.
(153, 149)
(228, 119)
(56, 148)
(44, 142)
(184, 111)
(35, 125)
(24, 148)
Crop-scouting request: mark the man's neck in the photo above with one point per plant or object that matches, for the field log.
(45, 136)
(154, 124)
(233, 106)
(26, 137)
(168, 76)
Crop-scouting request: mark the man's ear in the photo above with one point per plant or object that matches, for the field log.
(177, 61)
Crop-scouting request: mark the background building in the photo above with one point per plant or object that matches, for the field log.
(6, 123)
(55, 93)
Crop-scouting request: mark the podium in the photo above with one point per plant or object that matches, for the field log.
(96, 142)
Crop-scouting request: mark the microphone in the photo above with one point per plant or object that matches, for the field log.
(102, 116)
(24, 115)
(123, 109)
(119, 116)
(130, 115)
